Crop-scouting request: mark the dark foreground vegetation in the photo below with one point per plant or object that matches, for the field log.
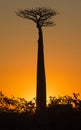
(63, 113)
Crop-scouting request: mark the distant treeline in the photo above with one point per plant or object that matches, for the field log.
(61, 113)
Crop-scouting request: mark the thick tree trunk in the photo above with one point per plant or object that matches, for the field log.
(41, 78)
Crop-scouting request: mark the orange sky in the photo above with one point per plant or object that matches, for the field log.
(18, 49)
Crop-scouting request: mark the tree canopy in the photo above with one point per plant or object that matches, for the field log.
(41, 16)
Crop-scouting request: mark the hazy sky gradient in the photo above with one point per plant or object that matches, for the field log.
(18, 49)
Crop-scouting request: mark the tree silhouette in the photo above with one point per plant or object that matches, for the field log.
(42, 17)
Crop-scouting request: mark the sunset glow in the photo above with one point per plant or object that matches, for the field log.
(62, 49)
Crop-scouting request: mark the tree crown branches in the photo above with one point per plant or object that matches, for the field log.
(41, 16)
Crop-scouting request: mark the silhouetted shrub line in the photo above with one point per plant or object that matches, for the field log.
(61, 113)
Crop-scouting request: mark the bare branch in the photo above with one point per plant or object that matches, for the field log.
(41, 16)
(26, 14)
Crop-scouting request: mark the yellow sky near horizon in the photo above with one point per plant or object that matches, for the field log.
(18, 49)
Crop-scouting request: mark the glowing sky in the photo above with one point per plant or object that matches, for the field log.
(18, 49)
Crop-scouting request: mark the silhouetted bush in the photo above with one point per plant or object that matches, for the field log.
(61, 113)
(70, 101)
(18, 105)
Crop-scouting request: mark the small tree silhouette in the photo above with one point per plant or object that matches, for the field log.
(42, 17)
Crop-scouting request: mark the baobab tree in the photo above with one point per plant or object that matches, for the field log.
(42, 17)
